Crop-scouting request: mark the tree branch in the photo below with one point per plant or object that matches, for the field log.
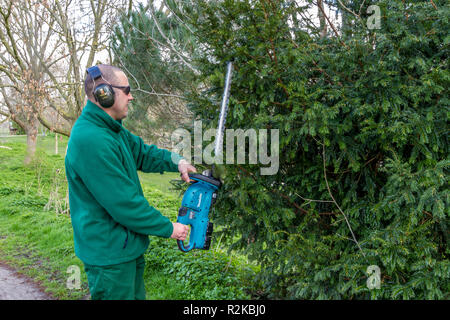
(292, 203)
(433, 4)
(332, 27)
(169, 44)
(334, 200)
(52, 128)
(348, 10)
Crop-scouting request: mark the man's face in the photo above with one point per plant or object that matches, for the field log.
(119, 109)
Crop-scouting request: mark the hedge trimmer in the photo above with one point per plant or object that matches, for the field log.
(201, 194)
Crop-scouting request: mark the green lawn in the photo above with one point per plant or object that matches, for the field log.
(47, 144)
(38, 241)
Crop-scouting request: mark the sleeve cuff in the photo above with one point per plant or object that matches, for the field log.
(169, 230)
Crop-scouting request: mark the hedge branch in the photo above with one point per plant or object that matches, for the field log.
(287, 198)
(332, 26)
(337, 205)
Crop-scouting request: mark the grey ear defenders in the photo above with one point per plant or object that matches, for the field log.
(103, 93)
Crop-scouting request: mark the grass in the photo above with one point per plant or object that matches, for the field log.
(47, 144)
(159, 181)
(38, 241)
(39, 244)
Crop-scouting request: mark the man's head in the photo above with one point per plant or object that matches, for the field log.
(116, 78)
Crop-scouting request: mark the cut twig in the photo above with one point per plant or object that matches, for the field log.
(337, 205)
(287, 198)
(312, 200)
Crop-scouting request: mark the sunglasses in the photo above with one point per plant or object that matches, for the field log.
(125, 90)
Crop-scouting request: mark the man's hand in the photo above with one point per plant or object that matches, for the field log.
(185, 167)
(180, 231)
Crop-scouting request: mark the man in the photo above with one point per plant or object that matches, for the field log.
(111, 219)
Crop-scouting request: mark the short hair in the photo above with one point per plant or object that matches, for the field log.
(109, 73)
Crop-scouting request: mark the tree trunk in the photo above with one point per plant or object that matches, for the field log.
(31, 130)
(56, 143)
(323, 23)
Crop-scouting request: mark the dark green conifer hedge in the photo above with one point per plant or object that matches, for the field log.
(363, 118)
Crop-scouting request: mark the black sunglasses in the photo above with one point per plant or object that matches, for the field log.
(125, 90)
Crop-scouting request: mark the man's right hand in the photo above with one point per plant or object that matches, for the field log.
(180, 231)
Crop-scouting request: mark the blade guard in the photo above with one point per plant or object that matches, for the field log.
(194, 211)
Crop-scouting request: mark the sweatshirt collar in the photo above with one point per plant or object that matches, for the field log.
(100, 117)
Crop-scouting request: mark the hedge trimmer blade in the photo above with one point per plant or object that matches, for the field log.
(223, 112)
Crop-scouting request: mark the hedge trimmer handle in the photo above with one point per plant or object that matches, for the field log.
(194, 211)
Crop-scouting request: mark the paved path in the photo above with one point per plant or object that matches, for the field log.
(18, 287)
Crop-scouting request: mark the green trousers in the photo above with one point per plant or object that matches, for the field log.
(124, 281)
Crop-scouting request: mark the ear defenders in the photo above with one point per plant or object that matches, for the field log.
(103, 93)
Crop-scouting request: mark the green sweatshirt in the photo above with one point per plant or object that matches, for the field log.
(110, 216)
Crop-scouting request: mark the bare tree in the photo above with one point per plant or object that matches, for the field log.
(22, 90)
(46, 48)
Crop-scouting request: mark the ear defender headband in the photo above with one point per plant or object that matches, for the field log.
(103, 93)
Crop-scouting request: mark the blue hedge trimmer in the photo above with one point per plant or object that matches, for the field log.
(201, 194)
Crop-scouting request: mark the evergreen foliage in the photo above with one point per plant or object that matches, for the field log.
(157, 75)
(364, 152)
